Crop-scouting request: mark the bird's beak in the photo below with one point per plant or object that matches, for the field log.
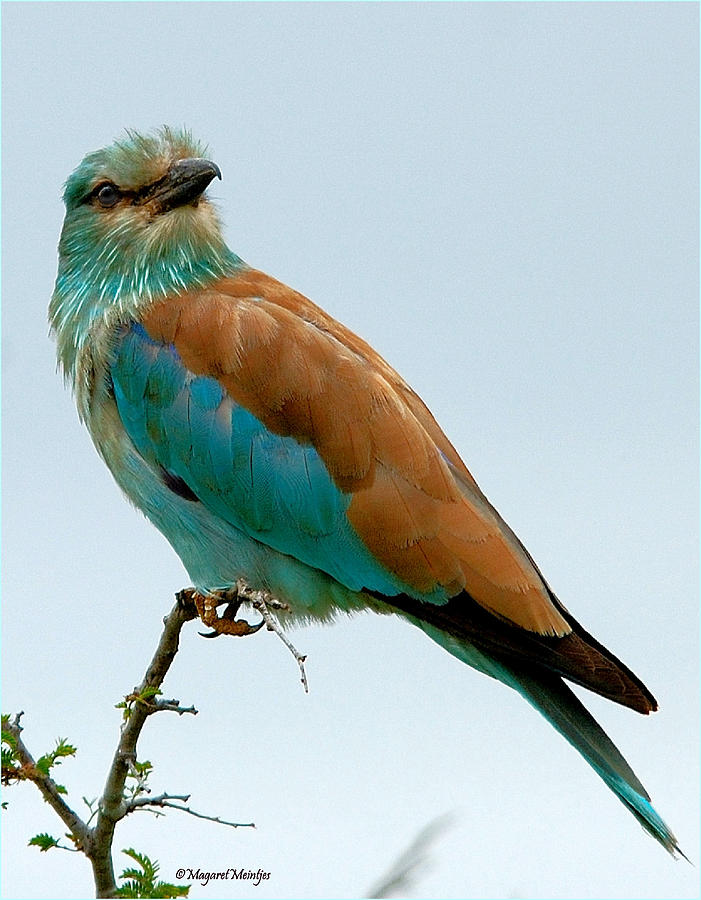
(184, 182)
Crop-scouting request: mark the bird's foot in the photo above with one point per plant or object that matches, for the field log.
(260, 599)
(227, 623)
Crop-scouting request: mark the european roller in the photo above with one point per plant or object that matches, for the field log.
(274, 448)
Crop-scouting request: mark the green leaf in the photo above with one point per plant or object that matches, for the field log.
(142, 882)
(9, 758)
(150, 869)
(63, 748)
(44, 764)
(43, 841)
(128, 703)
(164, 889)
(136, 874)
(150, 691)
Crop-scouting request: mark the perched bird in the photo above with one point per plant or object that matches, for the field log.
(275, 448)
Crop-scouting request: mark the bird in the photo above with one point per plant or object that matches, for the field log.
(276, 450)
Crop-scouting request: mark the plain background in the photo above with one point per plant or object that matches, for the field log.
(503, 199)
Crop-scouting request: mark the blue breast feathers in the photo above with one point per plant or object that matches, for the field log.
(272, 488)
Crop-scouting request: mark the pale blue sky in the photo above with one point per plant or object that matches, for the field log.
(503, 199)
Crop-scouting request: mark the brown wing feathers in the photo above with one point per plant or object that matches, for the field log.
(297, 369)
(414, 503)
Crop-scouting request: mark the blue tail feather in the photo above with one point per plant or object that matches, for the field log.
(547, 693)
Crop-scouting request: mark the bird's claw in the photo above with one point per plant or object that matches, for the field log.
(227, 623)
(209, 634)
(235, 627)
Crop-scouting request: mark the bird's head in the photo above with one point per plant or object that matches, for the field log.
(138, 226)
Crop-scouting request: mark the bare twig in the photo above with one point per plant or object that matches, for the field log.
(173, 706)
(69, 849)
(166, 800)
(155, 801)
(263, 601)
(92, 806)
(146, 809)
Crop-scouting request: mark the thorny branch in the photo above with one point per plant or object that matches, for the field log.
(96, 842)
(112, 805)
(166, 800)
(116, 802)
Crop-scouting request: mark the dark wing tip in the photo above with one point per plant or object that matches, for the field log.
(577, 657)
(593, 666)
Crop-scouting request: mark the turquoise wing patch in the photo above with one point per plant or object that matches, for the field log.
(272, 488)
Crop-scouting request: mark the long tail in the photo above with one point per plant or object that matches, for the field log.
(553, 699)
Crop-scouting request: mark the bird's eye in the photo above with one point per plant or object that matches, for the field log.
(107, 195)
